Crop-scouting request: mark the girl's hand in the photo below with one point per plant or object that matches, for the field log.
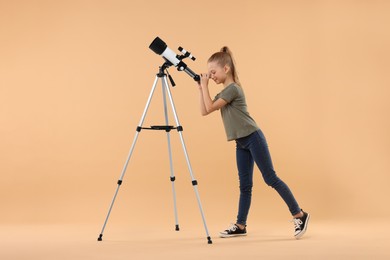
(204, 80)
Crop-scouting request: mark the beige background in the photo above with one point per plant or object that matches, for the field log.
(75, 77)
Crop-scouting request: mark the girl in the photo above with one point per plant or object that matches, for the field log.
(251, 145)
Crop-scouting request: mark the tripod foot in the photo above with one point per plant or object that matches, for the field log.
(177, 228)
(100, 237)
(209, 240)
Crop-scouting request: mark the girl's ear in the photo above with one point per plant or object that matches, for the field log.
(226, 69)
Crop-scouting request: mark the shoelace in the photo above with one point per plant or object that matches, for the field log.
(297, 222)
(232, 227)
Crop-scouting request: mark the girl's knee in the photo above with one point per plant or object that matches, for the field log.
(246, 188)
(273, 181)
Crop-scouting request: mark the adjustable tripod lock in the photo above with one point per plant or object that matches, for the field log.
(161, 72)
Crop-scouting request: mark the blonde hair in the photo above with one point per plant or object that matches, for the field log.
(225, 57)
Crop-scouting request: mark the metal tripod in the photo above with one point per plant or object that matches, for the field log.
(165, 89)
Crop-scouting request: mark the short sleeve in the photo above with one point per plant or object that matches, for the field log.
(229, 93)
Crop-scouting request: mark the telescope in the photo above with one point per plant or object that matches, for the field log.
(161, 48)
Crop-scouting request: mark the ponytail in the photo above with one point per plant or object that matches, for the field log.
(226, 49)
(225, 57)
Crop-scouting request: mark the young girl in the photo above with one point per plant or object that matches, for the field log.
(251, 145)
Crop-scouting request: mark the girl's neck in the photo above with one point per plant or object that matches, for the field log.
(227, 82)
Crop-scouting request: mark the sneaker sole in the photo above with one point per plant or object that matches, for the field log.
(234, 235)
(304, 228)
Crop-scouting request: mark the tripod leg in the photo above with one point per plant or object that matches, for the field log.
(128, 157)
(194, 181)
(173, 178)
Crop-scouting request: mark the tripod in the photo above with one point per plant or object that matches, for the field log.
(167, 128)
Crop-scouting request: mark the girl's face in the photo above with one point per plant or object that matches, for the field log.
(217, 72)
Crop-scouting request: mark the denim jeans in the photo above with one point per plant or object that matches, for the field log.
(250, 149)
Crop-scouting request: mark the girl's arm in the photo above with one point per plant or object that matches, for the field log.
(209, 105)
(203, 110)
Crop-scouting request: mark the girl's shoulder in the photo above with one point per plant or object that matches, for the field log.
(231, 92)
(233, 87)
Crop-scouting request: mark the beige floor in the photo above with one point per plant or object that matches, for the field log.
(265, 241)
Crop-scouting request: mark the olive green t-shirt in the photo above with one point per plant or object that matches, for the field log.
(235, 116)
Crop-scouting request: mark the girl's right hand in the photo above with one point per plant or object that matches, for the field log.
(204, 79)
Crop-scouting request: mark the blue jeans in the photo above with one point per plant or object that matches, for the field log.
(250, 149)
